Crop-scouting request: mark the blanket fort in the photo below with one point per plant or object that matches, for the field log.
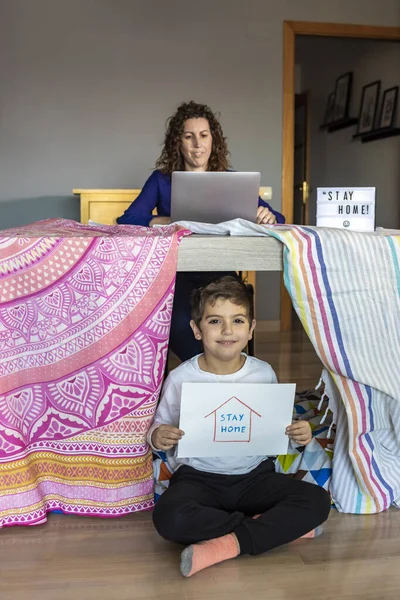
(235, 419)
(84, 327)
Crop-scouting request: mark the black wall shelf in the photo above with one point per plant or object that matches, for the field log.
(342, 124)
(377, 134)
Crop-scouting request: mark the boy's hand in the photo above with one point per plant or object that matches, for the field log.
(166, 436)
(300, 432)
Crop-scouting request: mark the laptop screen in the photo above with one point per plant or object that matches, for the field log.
(214, 197)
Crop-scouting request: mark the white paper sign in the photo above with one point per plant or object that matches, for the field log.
(235, 419)
(346, 208)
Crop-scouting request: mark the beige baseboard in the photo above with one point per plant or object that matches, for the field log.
(266, 326)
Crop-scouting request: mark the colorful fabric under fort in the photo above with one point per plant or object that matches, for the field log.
(313, 463)
(84, 326)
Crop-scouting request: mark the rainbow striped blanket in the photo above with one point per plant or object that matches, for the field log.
(345, 288)
(84, 327)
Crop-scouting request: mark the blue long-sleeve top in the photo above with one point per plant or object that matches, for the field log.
(156, 193)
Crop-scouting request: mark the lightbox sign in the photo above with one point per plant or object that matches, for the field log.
(346, 208)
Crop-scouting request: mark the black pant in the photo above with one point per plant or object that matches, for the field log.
(182, 341)
(200, 506)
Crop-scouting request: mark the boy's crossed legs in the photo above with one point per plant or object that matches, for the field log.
(202, 506)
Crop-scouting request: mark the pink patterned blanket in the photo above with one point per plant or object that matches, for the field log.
(84, 326)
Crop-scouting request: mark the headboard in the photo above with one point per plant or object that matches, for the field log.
(104, 206)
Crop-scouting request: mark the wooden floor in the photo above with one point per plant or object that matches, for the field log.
(77, 558)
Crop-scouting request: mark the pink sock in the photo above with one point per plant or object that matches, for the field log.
(313, 533)
(199, 556)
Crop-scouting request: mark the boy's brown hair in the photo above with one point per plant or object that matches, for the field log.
(228, 288)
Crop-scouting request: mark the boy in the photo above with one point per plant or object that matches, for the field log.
(222, 507)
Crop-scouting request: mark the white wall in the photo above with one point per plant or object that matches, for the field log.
(86, 86)
(335, 158)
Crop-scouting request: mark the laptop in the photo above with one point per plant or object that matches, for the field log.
(214, 197)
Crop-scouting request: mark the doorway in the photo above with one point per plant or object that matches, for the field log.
(291, 30)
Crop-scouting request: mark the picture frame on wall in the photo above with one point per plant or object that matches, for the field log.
(389, 107)
(330, 108)
(368, 107)
(342, 96)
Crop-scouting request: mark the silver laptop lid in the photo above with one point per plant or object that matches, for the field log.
(213, 197)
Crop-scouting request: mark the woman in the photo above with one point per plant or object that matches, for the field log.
(194, 141)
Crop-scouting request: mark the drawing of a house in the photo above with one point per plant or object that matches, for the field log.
(232, 421)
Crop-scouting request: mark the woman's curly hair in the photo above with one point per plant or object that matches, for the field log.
(171, 157)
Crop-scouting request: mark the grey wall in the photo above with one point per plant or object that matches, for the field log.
(335, 158)
(86, 86)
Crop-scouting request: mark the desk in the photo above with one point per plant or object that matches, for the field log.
(229, 253)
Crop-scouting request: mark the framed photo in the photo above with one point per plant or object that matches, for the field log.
(389, 105)
(342, 96)
(368, 107)
(329, 110)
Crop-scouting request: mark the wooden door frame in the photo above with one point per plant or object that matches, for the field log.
(290, 30)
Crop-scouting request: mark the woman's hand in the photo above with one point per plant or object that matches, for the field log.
(160, 221)
(166, 436)
(265, 216)
(300, 432)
